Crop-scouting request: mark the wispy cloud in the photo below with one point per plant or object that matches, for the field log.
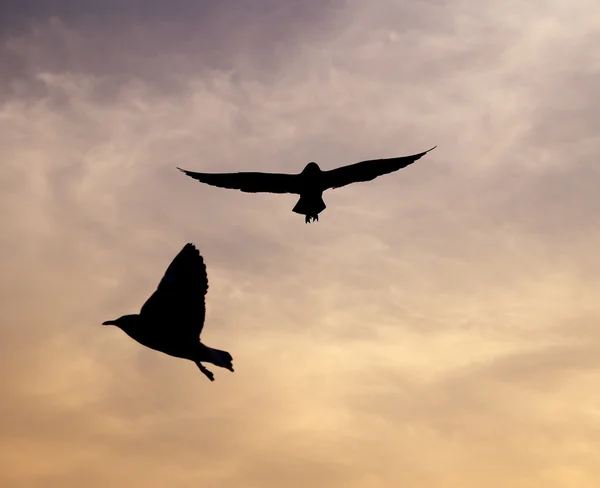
(435, 328)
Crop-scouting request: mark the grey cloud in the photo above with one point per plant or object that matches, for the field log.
(159, 43)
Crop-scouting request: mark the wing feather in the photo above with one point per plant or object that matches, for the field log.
(249, 182)
(367, 170)
(180, 298)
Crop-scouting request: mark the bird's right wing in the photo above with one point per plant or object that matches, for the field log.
(179, 299)
(249, 182)
(367, 170)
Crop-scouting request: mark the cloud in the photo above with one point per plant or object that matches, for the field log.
(435, 328)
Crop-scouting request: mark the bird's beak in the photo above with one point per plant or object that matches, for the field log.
(109, 322)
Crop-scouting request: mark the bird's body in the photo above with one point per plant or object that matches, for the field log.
(161, 338)
(309, 184)
(172, 318)
(311, 188)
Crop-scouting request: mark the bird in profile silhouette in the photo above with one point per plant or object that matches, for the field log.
(172, 318)
(309, 184)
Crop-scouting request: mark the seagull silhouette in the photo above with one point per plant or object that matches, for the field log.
(172, 318)
(309, 184)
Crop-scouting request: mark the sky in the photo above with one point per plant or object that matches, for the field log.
(437, 328)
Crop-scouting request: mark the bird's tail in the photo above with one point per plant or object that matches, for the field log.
(309, 205)
(219, 358)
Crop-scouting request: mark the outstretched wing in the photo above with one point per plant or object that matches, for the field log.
(249, 182)
(179, 300)
(367, 170)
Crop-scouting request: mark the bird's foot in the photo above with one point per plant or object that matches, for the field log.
(208, 373)
(315, 218)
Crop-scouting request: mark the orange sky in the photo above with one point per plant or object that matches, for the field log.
(436, 328)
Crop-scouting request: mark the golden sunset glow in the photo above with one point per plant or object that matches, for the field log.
(439, 327)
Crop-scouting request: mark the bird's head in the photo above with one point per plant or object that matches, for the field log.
(311, 168)
(123, 322)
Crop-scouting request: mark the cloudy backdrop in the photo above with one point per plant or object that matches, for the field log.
(438, 327)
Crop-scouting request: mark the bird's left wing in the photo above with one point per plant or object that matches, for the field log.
(367, 170)
(249, 182)
(180, 295)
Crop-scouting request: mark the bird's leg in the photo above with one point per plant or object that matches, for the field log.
(314, 218)
(307, 219)
(208, 374)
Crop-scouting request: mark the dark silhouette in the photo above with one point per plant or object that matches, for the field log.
(172, 318)
(309, 184)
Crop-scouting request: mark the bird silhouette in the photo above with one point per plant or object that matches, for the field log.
(309, 184)
(172, 318)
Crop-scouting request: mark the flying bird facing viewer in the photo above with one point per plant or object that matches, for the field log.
(172, 318)
(309, 184)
